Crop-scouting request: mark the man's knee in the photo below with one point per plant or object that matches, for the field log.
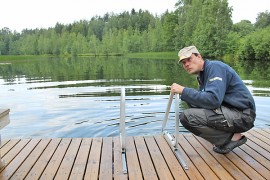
(184, 120)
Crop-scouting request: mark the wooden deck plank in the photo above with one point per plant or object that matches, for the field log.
(224, 161)
(6, 147)
(68, 160)
(148, 157)
(5, 141)
(263, 133)
(118, 168)
(134, 170)
(264, 153)
(241, 164)
(177, 171)
(92, 168)
(160, 164)
(20, 157)
(44, 159)
(146, 163)
(244, 166)
(55, 161)
(258, 157)
(79, 166)
(260, 136)
(25, 167)
(192, 172)
(219, 170)
(266, 130)
(106, 162)
(200, 164)
(264, 172)
(12, 153)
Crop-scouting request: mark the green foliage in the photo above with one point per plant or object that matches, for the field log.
(8, 58)
(263, 20)
(243, 28)
(255, 46)
(169, 24)
(154, 55)
(81, 68)
(206, 24)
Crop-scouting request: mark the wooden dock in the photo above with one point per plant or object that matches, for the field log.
(148, 157)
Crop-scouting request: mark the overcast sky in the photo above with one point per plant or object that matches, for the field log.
(31, 14)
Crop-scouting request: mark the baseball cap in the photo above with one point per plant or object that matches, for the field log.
(186, 52)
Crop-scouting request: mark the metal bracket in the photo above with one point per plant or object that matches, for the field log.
(124, 161)
(122, 130)
(173, 141)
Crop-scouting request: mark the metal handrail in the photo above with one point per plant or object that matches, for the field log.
(167, 111)
(122, 129)
(173, 141)
(122, 119)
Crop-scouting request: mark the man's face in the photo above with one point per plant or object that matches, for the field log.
(193, 64)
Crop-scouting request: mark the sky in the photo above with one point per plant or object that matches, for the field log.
(21, 14)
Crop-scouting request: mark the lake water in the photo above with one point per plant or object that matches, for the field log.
(80, 97)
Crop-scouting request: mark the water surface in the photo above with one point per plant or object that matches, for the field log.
(80, 97)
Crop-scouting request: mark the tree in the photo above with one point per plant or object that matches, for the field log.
(94, 45)
(212, 28)
(263, 20)
(255, 46)
(232, 43)
(188, 14)
(204, 23)
(169, 24)
(97, 25)
(243, 28)
(5, 37)
(58, 28)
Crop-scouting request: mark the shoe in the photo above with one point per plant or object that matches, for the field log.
(226, 148)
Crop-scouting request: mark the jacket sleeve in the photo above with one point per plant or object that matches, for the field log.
(214, 90)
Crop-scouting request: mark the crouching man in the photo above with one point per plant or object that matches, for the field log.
(222, 108)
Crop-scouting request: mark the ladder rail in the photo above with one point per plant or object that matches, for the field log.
(167, 111)
(173, 141)
(176, 117)
(122, 129)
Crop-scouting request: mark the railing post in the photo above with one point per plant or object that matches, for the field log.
(122, 118)
(122, 129)
(173, 141)
(176, 117)
(167, 112)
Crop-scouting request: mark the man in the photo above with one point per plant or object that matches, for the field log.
(222, 108)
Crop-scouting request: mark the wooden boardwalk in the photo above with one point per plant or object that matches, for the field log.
(148, 157)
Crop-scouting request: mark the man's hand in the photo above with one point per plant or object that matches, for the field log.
(176, 88)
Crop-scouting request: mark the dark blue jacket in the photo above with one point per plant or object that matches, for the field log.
(219, 84)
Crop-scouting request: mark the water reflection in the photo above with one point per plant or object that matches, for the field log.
(80, 97)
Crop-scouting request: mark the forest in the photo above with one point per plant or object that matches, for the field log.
(206, 24)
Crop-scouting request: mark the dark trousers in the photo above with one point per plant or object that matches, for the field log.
(219, 125)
